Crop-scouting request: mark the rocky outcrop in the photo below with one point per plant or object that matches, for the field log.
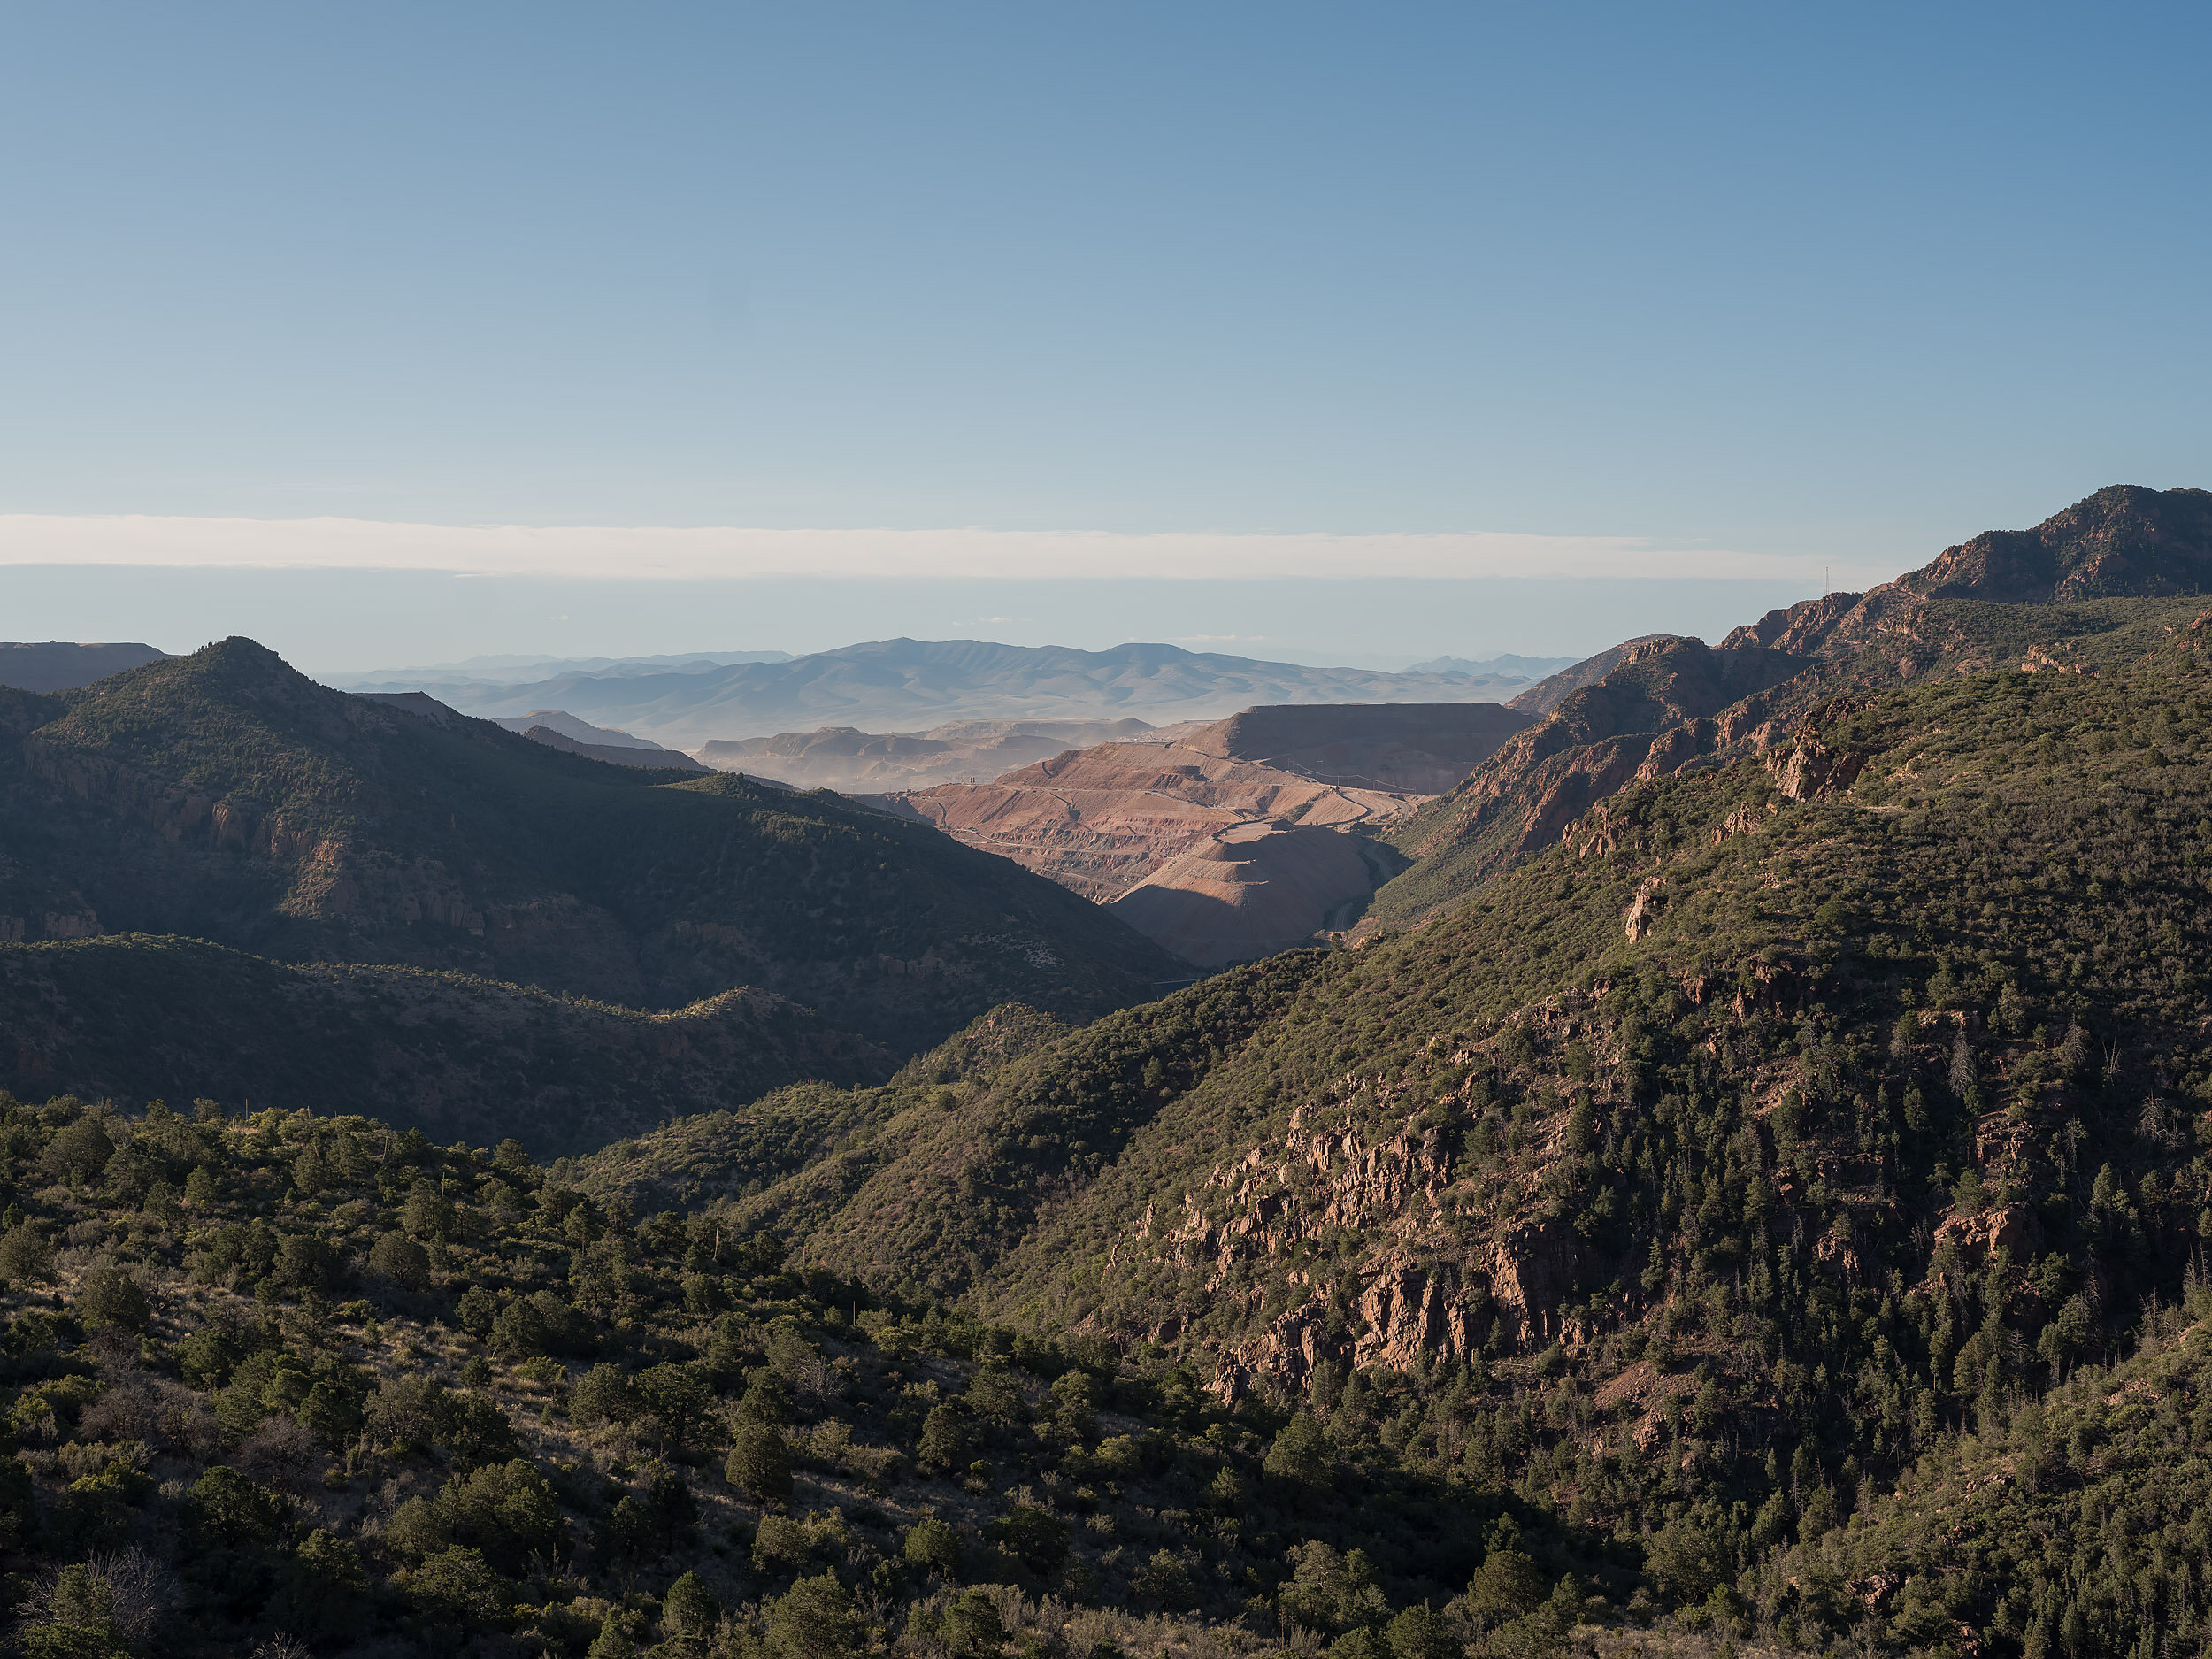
(1408, 1302)
(1669, 704)
(1547, 693)
(1809, 770)
(1800, 629)
(1644, 909)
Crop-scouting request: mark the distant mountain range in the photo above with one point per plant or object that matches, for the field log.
(842, 759)
(905, 686)
(1518, 670)
(515, 670)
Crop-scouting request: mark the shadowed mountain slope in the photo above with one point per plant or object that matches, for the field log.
(1405, 747)
(654, 759)
(135, 1017)
(225, 797)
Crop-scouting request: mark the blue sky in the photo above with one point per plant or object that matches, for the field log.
(1806, 285)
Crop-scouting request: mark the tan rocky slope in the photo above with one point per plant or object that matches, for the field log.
(1257, 888)
(1209, 844)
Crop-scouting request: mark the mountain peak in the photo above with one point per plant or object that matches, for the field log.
(2125, 541)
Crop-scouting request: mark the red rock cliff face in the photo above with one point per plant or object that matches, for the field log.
(1416, 1294)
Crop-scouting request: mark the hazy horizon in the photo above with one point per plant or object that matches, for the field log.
(340, 624)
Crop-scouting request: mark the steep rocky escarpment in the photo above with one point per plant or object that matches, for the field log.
(2125, 541)
(1667, 704)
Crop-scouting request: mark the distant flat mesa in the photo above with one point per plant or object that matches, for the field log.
(1223, 811)
(842, 759)
(61, 666)
(904, 686)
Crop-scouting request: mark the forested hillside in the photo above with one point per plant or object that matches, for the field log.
(1717, 1180)
(287, 1383)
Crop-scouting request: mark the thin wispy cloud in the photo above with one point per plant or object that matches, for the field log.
(658, 553)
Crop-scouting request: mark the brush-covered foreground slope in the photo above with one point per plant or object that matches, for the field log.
(1709, 1178)
(139, 1018)
(2094, 586)
(224, 796)
(290, 1383)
